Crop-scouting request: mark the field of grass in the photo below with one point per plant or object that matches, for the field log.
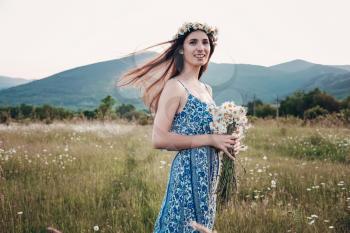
(88, 177)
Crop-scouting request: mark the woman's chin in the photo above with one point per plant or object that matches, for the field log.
(200, 63)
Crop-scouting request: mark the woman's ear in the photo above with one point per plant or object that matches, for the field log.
(180, 50)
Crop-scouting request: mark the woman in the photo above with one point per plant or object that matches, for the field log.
(179, 100)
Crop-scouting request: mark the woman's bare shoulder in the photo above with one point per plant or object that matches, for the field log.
(173, 85)
(172, 88)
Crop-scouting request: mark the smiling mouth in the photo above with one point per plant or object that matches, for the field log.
(199, 56)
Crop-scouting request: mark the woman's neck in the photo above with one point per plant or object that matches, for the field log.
(190, 73)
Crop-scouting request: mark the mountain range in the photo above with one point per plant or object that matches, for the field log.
(7, 82)
(83, 87)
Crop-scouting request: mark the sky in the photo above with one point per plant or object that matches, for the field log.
(42, 37)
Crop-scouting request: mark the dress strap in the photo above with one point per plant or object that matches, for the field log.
(183, 86)
(207, 88)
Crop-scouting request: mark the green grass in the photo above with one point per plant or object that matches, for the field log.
(74, 180)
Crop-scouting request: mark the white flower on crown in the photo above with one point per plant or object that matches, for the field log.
(192, 26)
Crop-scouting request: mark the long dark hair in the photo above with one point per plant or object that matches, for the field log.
(153, 75)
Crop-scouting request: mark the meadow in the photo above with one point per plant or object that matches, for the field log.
(106, 177)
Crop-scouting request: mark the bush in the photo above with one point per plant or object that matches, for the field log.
(265, 110)
(124, 109)
(4, 117)
(144, 120)
(345, 113)
(314, 112)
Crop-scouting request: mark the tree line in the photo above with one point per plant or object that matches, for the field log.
(301, 104)
(47, 113)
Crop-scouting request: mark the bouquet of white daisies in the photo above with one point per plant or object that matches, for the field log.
(231, 119)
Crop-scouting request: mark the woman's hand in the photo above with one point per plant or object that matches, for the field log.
(226, 143)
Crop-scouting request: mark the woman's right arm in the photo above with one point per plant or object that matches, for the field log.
(168, 104)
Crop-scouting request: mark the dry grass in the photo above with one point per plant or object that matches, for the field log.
(74, 177)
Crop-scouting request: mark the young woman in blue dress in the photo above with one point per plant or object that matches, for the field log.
(179, 102)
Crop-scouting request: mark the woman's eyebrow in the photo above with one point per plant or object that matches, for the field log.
(197, 39)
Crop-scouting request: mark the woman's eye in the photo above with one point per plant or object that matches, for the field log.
(204, 42)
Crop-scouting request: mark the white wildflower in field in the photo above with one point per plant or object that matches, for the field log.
(312, 222)
(96, 228)
(20, 212)
(331, 227)
(273, 184)
(341, 183)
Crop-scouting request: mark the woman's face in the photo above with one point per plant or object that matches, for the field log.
(196, 48)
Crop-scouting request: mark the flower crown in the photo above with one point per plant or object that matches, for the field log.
(193, 26)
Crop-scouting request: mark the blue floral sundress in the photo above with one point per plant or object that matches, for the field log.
(192, 181)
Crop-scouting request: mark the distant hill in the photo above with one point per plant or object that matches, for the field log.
(84, 87)
(293, 66)
(334, 84)
(6, 82)
(268, 83)
(78, 88)
(345, 67)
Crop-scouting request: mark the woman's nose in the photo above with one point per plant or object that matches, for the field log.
(200, 47)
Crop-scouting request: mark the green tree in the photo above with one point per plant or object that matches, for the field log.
(265, 110)
(293, 105)
(105, 108)
(90, 114)
(322, 99)
(125, 109)
(27, 110)
(299, 102)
